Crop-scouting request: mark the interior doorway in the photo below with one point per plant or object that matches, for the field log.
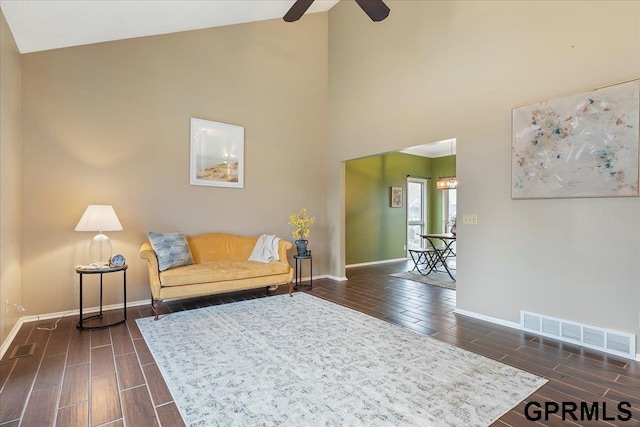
(377, 229)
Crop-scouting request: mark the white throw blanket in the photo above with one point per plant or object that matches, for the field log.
(266, 249)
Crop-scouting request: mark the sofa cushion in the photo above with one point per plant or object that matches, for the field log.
(213, 247)
(219, 271)
(171, 249)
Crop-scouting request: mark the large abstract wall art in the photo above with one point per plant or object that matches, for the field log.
(583, 145)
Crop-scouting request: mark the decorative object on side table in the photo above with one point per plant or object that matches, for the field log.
(302, 224)
(117, 260)
(301, 247)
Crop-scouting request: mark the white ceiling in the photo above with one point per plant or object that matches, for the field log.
(39, 25)
(443, 148)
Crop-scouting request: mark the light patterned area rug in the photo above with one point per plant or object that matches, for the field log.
(304, 361)
(435, 278)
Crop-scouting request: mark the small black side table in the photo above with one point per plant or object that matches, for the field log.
(299, 259)
(101, 271)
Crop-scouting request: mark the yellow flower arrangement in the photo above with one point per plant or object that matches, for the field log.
(302, 224)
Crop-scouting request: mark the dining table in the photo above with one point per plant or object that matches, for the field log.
(442, 246)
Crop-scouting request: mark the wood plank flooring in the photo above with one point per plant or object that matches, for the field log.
(107, 377)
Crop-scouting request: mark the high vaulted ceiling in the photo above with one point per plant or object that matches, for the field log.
(39, 25)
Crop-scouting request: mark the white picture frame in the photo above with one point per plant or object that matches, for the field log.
(217, 154)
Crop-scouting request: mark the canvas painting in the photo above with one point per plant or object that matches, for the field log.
(583, 145)
(217, 154)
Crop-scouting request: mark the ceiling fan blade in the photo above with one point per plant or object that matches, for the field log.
(297, 10)
(376, 9)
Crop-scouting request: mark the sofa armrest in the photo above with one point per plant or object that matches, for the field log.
(147, 253)
(283, 247)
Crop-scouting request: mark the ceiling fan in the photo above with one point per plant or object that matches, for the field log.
(376, 9)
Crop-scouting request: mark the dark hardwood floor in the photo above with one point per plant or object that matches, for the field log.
(107, 377)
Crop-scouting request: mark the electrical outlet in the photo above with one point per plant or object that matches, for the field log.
(404, 247)
(470, 219)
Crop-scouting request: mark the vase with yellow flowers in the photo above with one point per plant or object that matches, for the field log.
(301, 226)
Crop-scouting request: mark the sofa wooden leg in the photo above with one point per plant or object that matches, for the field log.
(155, 306)
(272, 288)
(290, 289)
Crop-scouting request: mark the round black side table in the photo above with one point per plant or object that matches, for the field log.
(299, 259)
(102, 271)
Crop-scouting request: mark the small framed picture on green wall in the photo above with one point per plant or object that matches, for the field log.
(396, 197)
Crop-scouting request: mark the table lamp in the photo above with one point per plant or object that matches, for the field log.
(99, 218)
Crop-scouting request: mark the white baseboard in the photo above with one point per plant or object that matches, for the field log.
(9, 339)
(384, 261)
(339, 279)
(506, 323)
(490, 319)
(75, 312)
(322, 276)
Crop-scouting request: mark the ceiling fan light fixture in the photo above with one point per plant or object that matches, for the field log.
(297, 10)
(375, 9)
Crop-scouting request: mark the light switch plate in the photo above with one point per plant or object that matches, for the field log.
(470, 219)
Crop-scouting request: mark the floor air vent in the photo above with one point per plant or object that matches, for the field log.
(618, 343)
(551, 327)
(23, 350)
(531, 322)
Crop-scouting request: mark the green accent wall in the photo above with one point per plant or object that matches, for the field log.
(374, 231)
(440, 167)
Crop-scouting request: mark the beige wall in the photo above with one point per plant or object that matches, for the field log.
(109, 124)
(10, 182)
(443, 69)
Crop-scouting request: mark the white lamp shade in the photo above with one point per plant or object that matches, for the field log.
(99, 218)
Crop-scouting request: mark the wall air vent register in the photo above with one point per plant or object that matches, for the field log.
(613, 342)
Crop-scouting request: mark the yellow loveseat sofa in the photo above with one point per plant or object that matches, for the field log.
(220, 264)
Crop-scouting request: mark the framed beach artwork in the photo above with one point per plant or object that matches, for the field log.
(217, 154)
(396, 197)
(583, 145)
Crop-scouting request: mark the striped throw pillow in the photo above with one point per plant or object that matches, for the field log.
(171, 249)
